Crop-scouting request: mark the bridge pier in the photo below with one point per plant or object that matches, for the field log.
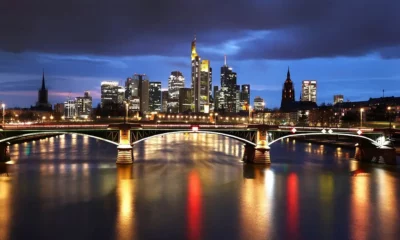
(373, 154)
(4, 152)
(262, 155)
(125, 150)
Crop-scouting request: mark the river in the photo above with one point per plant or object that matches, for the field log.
(194, 186)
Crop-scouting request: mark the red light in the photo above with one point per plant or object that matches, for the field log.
(195, 129)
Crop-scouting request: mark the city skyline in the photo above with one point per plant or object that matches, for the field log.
(257, 50)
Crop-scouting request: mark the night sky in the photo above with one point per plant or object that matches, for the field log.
(350, 47)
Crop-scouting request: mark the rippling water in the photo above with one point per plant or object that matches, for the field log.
(194, 186)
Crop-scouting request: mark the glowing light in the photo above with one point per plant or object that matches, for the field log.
(359, 132)
(323, 130)
(294, 130)
(330, 131)
(195, 129)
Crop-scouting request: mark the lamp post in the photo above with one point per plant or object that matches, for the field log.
(126, 111)
(216, 116)
(390, 117)
(4, 111)
(361, 112)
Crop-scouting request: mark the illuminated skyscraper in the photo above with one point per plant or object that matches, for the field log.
(155, 97)
(205, 78)
(84, 105)
(309, 91)
(245, 97)
(228, 86)
(109, 95)
(185, 99)
(196, 77)
(175, 82)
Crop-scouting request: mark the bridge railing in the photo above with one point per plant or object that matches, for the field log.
(55, 126)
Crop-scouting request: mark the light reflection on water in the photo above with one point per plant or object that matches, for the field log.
(194, 186)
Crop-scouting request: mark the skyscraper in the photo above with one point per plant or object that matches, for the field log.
(337, 99)
(228, 86)
(245, 97)
(175, 82)
(205, 78)
(309, 91)
(185, 99)
(84, 105)
(164, 101)
(109, 95)
(43, 104)
(287, 92)
(144, 96)
(155, 97)
(196, 77)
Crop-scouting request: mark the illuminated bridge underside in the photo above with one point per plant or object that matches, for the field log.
(325, 134)
(110, 136)
(245, 136)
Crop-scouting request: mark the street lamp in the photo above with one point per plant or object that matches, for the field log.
(390, 117)
(4, 111)
(361, 112)
(126, 111)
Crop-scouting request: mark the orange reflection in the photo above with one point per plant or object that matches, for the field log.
(360, 207)
(126, 221)
(387, 202)
(326, 186)
(194, 206)
(5, 202)
(256, 204)
(293, 205)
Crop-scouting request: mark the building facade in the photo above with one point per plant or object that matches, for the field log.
(205, 78)
(84, 105)
(309, 91)
(185, 100)
(109, 95)
(164, 101)
(155, 97)
(259, 104)
(196, 77)
(288, 93)
(175, 81)
(228, 87)
(338, 99)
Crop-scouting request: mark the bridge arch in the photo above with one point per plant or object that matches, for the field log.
(200, 131)
(58, 133)
(314, 134)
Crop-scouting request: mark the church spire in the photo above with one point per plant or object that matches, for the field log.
(43, 83)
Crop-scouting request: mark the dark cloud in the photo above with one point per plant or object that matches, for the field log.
(298, 29)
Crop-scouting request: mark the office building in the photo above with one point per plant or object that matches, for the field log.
(309, 91)
(338, 99)
(205, 78)
(155, 97)
(259, 104)
(185, 100)
(70, 109)
(164, 101)
(109, 95)
(144, 96)
(196, 77)
(245, 97)
(84, 105)
(175, 82)
(228, 86)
